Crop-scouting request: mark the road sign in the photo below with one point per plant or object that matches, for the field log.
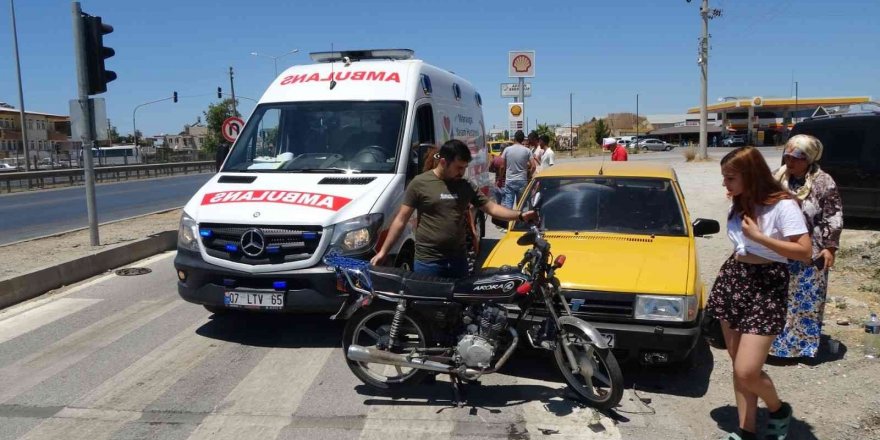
(515, 112)
(231, 128)
(511, 90)
(521, 64)
(99, 111)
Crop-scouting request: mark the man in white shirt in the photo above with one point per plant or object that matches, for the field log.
(547, 158)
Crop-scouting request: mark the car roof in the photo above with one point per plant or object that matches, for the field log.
(610, 169)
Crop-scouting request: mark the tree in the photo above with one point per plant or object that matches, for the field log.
(214, 116)
(114, 135)
(545, 129)
(600, 131)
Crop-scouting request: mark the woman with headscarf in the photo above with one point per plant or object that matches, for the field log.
(820, 202)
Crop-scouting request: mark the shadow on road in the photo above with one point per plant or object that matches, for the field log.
(685, 379)
(274, 330)
(727, 420)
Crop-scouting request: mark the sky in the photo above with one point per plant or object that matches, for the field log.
(602, 52)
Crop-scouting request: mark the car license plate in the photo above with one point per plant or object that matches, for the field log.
(609, 339)
(259, 300)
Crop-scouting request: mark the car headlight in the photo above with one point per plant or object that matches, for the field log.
(187, 235)
(356, 235)
(666, 308)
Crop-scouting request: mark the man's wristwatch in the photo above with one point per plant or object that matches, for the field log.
(520, 217)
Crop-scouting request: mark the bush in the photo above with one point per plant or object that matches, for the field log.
(690, 153)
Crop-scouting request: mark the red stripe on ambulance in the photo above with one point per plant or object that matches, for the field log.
(315, 200)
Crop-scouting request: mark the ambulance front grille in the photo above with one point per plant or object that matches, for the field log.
(282, 244)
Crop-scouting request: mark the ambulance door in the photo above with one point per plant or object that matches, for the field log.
(422, 138)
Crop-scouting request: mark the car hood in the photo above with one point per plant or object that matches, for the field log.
(611, 262)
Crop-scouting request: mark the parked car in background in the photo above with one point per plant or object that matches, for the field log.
(736, 140)
(7, 168)
(852, 157)
(654, 145)
(632, 268)
(495, 148)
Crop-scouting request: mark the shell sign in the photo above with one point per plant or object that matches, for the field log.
(521, 64)
(516, 110)
(757, 101)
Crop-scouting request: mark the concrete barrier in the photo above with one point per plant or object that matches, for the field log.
(24, 287)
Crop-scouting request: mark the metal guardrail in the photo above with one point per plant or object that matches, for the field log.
(23, 181)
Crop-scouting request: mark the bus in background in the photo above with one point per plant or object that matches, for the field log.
(115, 156)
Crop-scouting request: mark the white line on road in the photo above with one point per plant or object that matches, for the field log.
(32, 319)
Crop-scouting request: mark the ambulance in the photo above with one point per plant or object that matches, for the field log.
(321, 166)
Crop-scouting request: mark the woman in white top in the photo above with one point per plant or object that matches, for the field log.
(749, 295)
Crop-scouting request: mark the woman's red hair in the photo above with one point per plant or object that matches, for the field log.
(759, 186)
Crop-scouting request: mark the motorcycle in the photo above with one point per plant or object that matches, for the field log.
(402, 326)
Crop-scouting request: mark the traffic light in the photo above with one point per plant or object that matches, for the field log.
(96, 53)
(219, 93)
(175, 97)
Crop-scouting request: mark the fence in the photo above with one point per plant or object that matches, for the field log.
(23, 181)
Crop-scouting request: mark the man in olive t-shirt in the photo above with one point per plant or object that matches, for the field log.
(442, 197)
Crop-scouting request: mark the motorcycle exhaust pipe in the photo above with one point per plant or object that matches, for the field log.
(371, 355)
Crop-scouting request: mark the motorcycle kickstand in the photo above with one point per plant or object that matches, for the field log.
(457, 390)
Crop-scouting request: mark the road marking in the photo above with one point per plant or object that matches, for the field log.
(152, 375)
(261, 404)
(85, 424)
(54, 359)
(35, 318)
(61, 293)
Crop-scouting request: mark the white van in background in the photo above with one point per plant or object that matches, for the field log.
(321, 165)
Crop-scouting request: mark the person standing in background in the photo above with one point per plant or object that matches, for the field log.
(820, 202)
(518, 164)
(548, 158)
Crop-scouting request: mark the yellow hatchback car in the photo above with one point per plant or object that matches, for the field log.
(631, 267)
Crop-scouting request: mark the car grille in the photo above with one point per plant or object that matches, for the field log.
(283, 244)
(599, 305)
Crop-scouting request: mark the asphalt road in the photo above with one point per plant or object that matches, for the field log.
(34, 214)
(125, 358)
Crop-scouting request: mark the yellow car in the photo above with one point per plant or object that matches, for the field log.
(495, 148)
(632, 267)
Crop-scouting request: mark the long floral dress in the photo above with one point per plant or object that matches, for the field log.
(823, 212)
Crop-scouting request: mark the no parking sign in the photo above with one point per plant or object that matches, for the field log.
(231, 128)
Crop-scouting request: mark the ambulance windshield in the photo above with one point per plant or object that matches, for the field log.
(321, 136)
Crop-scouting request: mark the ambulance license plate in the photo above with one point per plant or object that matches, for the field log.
(258, 300)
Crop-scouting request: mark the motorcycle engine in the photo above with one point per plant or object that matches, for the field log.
(482, 327)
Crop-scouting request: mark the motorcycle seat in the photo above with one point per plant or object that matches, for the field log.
(410, 284)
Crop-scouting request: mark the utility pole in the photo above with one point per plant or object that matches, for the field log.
(703, 60)
(795, 101)
(24, 139)
(87, 126)
(232, 88)
(570, 125)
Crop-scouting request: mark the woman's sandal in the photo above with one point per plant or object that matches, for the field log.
(777, 429)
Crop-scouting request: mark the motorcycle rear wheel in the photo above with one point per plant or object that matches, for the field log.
(370, 327)
(599, 382)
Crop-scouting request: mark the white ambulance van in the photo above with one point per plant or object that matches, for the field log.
(321, 165)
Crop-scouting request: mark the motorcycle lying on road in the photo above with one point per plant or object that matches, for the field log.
(402, 326)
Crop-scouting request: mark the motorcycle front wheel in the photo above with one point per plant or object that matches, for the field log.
(371, 327)
(598, 382)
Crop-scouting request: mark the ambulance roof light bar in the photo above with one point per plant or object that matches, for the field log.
(359, 55)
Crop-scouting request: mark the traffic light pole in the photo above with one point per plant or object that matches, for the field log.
(87, 125)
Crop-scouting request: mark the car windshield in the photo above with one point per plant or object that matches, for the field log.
(628, 205)
(321, 136)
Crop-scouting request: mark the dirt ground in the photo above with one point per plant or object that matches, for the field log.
(836, 396)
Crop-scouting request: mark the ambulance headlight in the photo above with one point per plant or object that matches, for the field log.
(666, 308)
(188, 235)
(356, 235)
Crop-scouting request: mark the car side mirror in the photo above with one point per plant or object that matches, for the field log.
(703, 226)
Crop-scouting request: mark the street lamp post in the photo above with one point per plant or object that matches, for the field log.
(274, 58)
(134, 116)
(570, 125)
(795, 101)
(24, 139)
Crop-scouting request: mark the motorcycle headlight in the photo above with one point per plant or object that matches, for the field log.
(356, 235)
(187, 235)
(666, 308)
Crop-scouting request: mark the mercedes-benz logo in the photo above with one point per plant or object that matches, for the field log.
(256, 214)
(253, 242)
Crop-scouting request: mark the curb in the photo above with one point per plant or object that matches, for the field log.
(24, 287)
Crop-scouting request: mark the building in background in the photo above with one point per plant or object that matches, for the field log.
(48, 135)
